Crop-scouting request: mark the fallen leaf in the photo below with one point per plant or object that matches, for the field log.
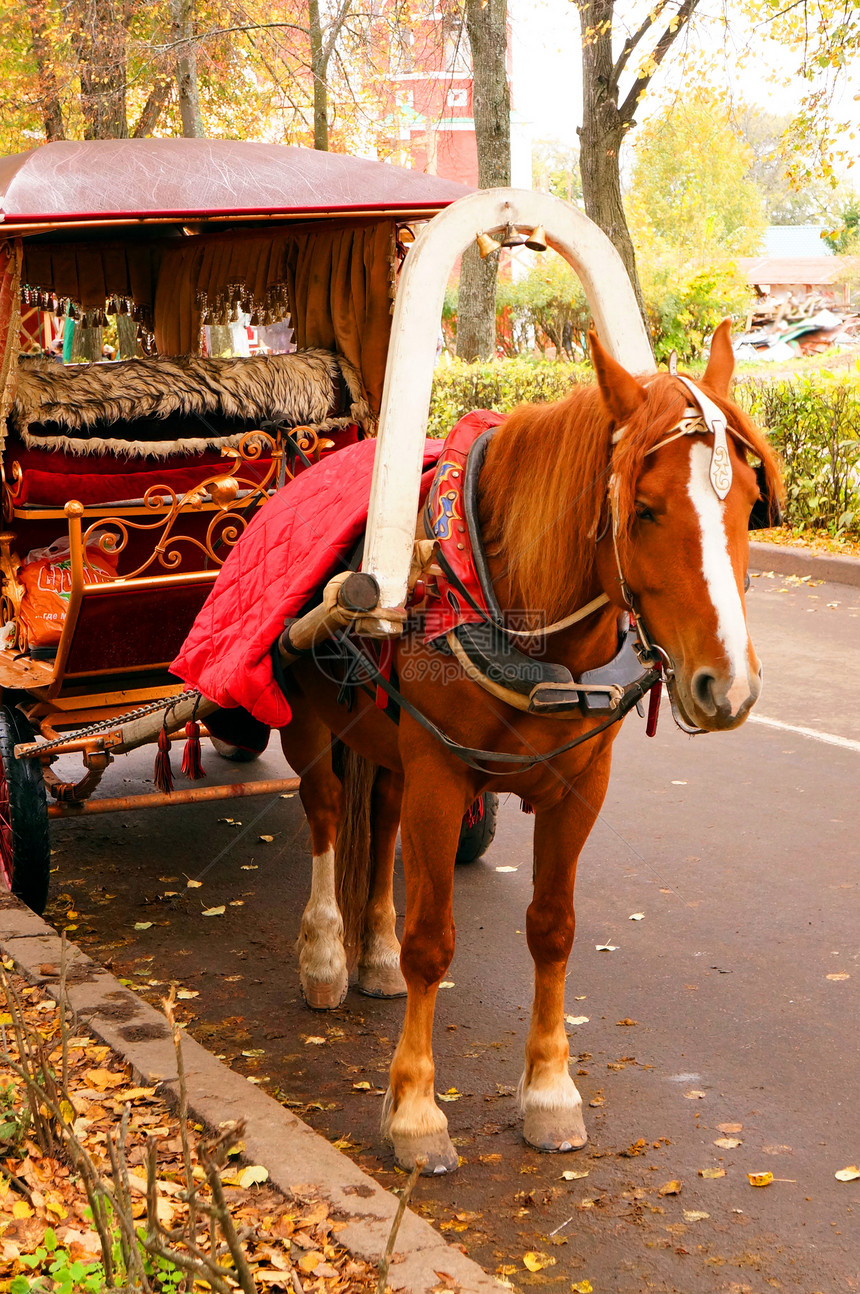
(535, 1261)
(21, 1209)
(583, 1287)
(363, 1086)
(506, 869)
(214, 912)
(597, 1101)
(728, 1143)
(849, 1174)
(712, 1172)
(606, 948)
(695, 1215)
(253, 1175)
(839, 975)
(760, 1179)
(627, 1021)
(193, 885)
(268, 839)
(695, 1094)
(237, 903)
(451, 1095)
(730, 1127)
(576, 1019)
(447, 983)
(310, 1260)
(142, 925)
(185, 994)
(670, 1188)
(574, 1174)
(314, 1041)
(636, 916)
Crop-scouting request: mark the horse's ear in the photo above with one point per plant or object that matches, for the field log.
(622, 394)
(721, 364)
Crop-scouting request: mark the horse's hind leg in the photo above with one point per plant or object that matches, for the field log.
(379, 973)
(322, 961)
(551, 1104)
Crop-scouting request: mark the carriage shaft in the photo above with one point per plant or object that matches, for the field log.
(158, 799)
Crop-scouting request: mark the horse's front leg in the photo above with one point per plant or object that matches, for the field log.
(434, 802)
(551, 1104)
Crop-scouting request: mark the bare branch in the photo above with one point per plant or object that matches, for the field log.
(676, 25)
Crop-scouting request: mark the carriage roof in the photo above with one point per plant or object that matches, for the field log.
(167, 179)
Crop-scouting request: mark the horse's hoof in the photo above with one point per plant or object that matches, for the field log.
(554, 1131)
(381, 981)
(321, 995)
(436, 1150)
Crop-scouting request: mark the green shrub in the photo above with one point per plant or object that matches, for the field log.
(813, 422)
(499, 384)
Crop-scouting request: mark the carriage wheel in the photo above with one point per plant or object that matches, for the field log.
(25, 853)
(476, 840)
(236, 754)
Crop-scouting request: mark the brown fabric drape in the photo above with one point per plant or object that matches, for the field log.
(90, 273)
(338, 281)
(10, 326)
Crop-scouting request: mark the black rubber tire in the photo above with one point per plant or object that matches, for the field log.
(25, 850)
(476, 840)
(236, 754)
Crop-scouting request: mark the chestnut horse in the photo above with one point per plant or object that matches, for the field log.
(611, 492)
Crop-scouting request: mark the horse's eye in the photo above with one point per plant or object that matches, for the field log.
(643, 513)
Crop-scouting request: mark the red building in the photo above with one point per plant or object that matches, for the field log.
(432, 93)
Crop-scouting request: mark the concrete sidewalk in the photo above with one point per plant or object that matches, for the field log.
(786, 560)
(298, 1159)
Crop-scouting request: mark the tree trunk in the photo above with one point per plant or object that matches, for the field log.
(487, 29)
(102, 52)
(318, 71)
(52, 112)
(151, 110)
(188, 94)
(182, 29)
(601, 135)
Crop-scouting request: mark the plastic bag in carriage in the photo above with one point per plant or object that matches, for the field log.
(46, 577)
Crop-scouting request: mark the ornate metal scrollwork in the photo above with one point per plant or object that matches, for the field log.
(235, 495)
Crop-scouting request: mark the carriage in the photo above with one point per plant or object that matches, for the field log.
(617, 521)
(126, 481)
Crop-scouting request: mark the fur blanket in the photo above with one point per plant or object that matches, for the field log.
(160, 406)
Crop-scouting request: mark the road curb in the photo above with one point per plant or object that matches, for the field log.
(836, 568)
(299, 1160)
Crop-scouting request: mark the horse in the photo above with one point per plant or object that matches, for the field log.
(619, 500)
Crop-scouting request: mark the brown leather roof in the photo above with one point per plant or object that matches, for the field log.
(112, 178)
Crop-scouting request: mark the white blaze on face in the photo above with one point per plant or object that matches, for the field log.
(719, 575)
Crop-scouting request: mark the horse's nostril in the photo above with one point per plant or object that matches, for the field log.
(702, 685)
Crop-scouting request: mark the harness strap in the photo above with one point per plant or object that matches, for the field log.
(469, 754)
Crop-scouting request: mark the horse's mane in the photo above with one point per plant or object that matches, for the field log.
(545, 484)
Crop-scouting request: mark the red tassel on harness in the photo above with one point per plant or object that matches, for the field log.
(163, 772)
(192, 764)
(654, 703)
(474, 813)
(527, 806)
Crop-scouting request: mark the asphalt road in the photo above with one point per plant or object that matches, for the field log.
(733, 1001)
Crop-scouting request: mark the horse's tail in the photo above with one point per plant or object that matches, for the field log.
(353, 855)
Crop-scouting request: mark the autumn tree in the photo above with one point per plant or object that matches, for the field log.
(691, 185)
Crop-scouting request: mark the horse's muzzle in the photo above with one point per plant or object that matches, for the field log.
(722, 702)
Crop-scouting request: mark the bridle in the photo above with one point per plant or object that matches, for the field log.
(704, 419)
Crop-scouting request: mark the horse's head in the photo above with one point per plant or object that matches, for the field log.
(677, 546)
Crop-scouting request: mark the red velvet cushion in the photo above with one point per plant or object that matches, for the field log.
(52, 477)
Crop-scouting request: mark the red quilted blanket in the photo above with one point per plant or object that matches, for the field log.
(295, 544)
